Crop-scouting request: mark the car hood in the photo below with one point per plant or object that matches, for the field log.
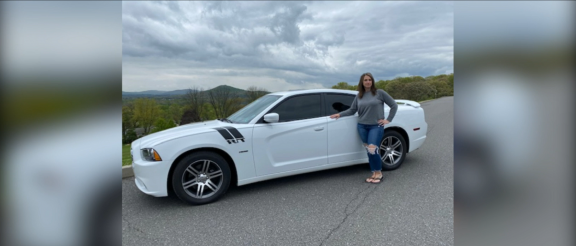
(180, 131)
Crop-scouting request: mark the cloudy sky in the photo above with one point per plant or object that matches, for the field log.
(281, 45)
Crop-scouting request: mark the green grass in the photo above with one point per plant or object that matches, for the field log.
(126, 158)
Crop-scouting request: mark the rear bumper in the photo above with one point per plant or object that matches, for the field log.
(417, 143)
(151, 177)
(419, 137)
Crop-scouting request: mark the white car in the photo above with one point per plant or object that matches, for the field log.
(280, 134)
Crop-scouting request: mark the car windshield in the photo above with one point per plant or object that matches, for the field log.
(250, 111)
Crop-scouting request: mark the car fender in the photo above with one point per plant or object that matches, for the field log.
(239, 151)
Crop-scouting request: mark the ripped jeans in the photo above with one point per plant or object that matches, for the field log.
(372, 135)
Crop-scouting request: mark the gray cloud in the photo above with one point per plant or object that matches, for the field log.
(307, 44)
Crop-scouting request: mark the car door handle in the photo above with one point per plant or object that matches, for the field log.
(319, 128)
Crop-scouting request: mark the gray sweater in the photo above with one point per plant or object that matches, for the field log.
(371, 107)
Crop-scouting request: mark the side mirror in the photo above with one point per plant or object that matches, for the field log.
(271, 117)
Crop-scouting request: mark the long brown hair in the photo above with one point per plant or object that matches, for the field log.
(361, 85)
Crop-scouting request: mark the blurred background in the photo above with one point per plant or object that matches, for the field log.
(61, 121)
(61, 70)
(514, 112)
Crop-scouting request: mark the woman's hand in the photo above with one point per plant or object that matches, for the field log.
(335, 116)
(383, 122)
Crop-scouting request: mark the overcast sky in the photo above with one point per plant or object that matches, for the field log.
(281, 45)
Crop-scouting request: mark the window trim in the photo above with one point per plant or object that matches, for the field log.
(322, 110)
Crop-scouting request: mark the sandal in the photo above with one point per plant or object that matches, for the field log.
(377, 180)
(369, 180)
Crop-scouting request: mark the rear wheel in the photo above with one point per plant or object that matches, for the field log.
(392, 150)
(201, 177)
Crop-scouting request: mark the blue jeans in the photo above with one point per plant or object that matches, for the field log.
(372, 134)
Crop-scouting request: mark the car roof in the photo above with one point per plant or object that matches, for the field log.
(309, 91)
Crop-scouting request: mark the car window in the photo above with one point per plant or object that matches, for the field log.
(336, 103)
(299, 108)
(250, 111)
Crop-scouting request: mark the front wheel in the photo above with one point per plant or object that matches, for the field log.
(201, 177)
(392, 150)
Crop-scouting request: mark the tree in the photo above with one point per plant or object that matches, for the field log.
(127, 118)
(417, 79)
(450, 83)
(344, 86)
(235, 105)
(195, 100)
(381, 84)
(190, 115)
(208, 112)
(221, 101)
(161, 125)
(440, 87)
(146, 112)
(396, 89)
(418, 91)
(175, 113)
(253, 93)
(129, 137)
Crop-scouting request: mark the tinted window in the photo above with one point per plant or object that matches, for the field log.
(299, 108)
(336, 103)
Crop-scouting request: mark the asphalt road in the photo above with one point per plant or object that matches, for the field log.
(412, 206)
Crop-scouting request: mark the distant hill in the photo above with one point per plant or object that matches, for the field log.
(176, 92)
(179, 93)
(154, 93)
(227, 87)
(233, 90)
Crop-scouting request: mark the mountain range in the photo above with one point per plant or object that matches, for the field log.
(156, 93)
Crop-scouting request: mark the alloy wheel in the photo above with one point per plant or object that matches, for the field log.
(391, 150)
(202, 179)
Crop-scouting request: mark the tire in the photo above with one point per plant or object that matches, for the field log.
(392, 153)
(201, 178)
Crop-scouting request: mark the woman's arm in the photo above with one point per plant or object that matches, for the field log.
(386, 98)
(352, 110)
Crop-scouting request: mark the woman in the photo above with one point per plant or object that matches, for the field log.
(369, 103)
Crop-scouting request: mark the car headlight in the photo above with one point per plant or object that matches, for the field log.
(150, 154)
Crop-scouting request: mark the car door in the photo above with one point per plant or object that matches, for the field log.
(344, 143)
(297, 141)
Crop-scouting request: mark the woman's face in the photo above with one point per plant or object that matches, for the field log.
(367, 82)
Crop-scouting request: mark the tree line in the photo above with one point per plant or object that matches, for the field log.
(414, 88)
(198, 105)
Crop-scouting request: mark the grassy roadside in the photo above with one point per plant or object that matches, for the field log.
(126, 158)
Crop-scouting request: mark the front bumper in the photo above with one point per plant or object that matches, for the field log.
(152, 177)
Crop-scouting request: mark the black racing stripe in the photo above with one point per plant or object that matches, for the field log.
(235, 132)
(224, 133)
